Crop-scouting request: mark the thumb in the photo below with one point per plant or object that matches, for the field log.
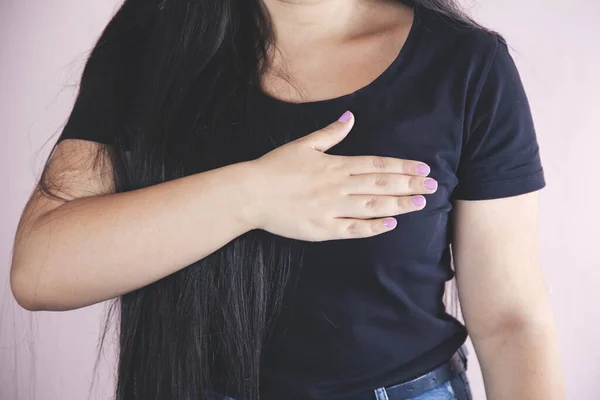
(324, 139)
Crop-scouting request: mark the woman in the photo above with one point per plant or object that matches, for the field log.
(219, 158)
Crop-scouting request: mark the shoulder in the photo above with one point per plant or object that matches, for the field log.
(458, 40)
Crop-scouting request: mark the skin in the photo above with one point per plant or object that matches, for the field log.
(333, 47)
(504, 299)
(98, 244)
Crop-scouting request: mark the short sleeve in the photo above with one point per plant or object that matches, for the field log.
(500, 156)
(92, 117)
(94, 113)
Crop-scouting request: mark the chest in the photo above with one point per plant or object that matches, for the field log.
(426, 129)
(318, 68)
(326, 72)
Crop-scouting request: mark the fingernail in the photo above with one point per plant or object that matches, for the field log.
(423, 169)
(345, 117)
(430, 184)
(418, 201)
(390, 223)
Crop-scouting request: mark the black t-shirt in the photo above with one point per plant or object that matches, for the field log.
(368, 312)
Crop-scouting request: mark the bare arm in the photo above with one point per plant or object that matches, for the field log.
(98, 246)
(504, 298)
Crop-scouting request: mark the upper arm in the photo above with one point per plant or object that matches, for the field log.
(495, 250)
(80, 163)
(75, 169)
(495, 215)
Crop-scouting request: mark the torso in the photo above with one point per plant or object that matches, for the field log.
(369, 313)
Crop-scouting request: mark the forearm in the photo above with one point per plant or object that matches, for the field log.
(96, 248)
(521, 363)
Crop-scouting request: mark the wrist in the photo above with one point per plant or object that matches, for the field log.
(247, 194)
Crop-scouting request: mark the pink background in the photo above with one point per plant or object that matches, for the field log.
(43, 45)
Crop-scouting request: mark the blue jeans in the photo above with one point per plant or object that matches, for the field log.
(455, 389)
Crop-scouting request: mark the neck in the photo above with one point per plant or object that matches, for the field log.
(297, 21)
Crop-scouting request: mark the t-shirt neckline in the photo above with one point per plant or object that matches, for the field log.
(378, 82)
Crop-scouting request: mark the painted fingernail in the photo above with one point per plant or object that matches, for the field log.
(390, 223)
(430, 184)
(345, 117)
(418, 201)
(423, 169)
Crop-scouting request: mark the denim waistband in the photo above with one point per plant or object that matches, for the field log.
(446, 382)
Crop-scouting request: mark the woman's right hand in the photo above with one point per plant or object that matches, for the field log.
(304, 193)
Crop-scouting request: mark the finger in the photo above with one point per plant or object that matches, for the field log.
(361, 206)
(326, 138)
(376, 164)
(349, 228)
(389, 184)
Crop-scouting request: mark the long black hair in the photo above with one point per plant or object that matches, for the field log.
(177, 78)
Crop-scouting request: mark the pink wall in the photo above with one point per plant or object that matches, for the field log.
(42, 48)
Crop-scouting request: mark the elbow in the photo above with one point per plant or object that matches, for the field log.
(27, 293)
(23, 290)
(516, 316)
(33, 295)
(513, 324)
(28, 304)
(36, 282)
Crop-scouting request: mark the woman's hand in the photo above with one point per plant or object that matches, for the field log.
(306, 194)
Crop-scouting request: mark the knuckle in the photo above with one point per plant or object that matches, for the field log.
(320, 233)
(353, 229)
(382, 180)
(341, 189)
(374, 228)
(412, 182)
(372, 203)
(378, 162)
(403, 203)
(329, 130)
(318, 225)
(341, 163)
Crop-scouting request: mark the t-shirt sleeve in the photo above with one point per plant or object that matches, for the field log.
(92, 117)
(500, 156)
(94, 113)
